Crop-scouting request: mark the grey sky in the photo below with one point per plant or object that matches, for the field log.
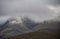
(35, 9)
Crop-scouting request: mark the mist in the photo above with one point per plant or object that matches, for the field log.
(38, 10)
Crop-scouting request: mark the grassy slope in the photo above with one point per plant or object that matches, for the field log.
(36, 35)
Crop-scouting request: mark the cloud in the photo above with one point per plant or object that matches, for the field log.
(36, 9)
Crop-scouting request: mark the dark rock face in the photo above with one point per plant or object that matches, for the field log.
(4, 26)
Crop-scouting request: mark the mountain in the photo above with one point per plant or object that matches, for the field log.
(14, 27)
(45, 30)
(48, 26)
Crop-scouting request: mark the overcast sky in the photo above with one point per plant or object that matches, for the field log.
(36, 9)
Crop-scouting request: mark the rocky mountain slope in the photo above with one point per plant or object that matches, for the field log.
(42, 32)
(47, 29)
(14, 27)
